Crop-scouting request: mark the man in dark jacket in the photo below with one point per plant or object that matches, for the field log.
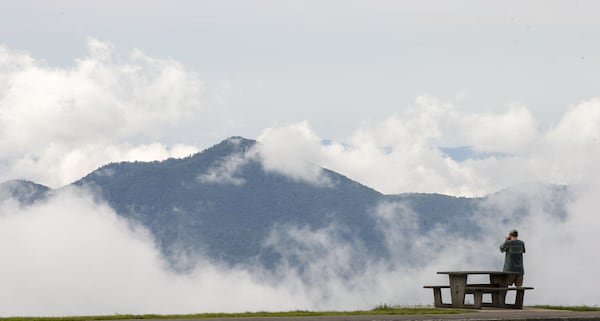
(513, 260)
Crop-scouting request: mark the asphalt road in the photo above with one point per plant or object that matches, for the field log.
(481, 315)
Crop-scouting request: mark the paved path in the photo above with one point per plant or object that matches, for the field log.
(526, 314)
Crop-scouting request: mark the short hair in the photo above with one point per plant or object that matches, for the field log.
(513, 233)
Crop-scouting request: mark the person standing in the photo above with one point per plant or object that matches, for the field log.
(513, 259)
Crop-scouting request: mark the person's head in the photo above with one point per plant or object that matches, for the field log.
(514, 234)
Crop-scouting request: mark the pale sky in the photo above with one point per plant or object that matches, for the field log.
(151, 79)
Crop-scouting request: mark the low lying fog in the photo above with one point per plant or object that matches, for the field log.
(73, 256)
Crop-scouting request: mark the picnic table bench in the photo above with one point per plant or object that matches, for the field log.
(496, 287)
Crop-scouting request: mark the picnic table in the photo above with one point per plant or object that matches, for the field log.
(496, 287)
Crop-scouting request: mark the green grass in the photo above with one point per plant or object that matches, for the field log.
(382, 309)
(567, 307)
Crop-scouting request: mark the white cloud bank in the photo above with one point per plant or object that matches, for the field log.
(285, 149)
(57, 124)
(74, 256)
(402, 153)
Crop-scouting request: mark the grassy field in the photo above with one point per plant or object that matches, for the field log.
(379, 310)
(568, 307)
(383, 309)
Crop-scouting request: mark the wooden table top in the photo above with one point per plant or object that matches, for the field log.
(477, 272)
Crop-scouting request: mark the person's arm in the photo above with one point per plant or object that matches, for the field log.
(504, 246)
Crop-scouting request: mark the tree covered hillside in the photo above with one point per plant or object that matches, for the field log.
(227, 220)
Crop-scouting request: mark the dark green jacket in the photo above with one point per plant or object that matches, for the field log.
(513, 261)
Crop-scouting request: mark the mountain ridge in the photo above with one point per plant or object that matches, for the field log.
(223, 203)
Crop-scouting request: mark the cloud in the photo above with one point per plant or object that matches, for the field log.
(57, 164)
(580, 123)
(57, 124)
(286, 150)
(550, 238)
(403, 152)
(291, 150)
(73, 255)
(348, 277)
(226, 171)
(398, 154)
(509, 132)
(571, 149)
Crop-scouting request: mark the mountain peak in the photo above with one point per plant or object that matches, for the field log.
(238, 140)
(231, 145)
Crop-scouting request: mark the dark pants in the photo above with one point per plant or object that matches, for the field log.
(516, 279)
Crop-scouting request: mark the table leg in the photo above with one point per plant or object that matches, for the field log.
(437, 298)
(499, 298)
(457, 290)
(519, 299)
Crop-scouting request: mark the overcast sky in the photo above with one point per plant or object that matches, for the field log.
(387, 82)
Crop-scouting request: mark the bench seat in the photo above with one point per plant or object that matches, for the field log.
(436, 286)
(498, 295)
(437, 295)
